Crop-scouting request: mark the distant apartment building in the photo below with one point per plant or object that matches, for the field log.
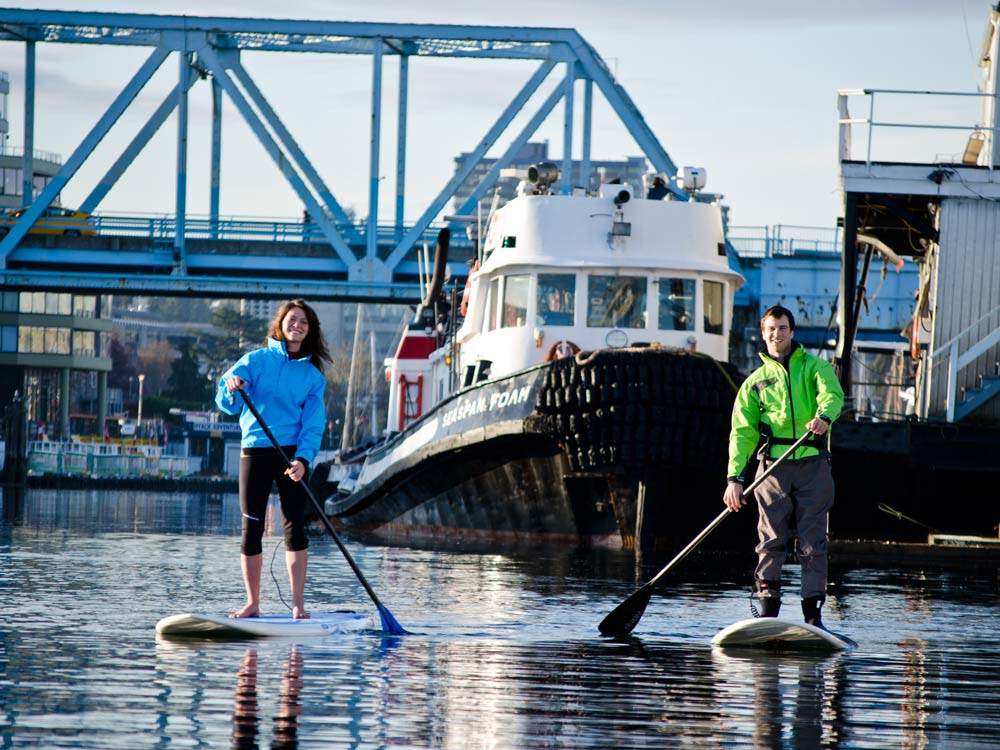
(44, 163)
(55, 352)
(263, 309)
(630, 170)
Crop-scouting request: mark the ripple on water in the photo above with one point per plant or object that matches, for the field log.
(507, 656)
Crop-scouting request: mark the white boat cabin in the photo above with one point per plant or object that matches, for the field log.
(563, 273)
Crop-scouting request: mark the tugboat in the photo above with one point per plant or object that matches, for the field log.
(581, 391)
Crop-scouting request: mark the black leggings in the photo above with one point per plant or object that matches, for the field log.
(260, 468)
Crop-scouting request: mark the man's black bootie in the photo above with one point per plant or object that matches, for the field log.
(810, 610)
(770, 606)
(769, 596)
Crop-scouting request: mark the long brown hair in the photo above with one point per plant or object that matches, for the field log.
(313, 344)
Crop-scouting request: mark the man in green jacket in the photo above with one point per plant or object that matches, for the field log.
(790, 393)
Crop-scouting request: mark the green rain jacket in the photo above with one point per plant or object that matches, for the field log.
(778, 402)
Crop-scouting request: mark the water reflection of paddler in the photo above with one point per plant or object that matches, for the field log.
(797, 698)
(246, 714)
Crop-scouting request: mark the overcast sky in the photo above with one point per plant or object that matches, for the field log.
(746, 90)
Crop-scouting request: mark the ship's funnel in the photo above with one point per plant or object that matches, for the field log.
(440, 265)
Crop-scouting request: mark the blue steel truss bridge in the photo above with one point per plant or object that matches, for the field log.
(328, 257)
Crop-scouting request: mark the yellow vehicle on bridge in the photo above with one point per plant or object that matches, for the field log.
(54, 220)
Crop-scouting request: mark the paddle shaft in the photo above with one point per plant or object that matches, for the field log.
(722, 516)
(315, 502)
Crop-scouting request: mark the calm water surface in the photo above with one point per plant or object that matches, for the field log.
(507, 655)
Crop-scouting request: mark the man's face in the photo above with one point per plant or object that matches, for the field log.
(777, 335)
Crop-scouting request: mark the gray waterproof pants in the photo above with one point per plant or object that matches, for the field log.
(805, 488)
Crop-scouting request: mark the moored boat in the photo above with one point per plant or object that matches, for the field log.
(581, 391)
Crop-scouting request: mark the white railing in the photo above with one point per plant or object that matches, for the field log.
(18, 151)
(976, 130)
(958, 362)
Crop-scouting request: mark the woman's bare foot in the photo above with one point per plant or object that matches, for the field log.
(299, 613)
(248, 610)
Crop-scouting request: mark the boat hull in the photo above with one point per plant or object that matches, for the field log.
(558, 451)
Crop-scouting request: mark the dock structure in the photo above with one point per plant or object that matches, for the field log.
(942, 210)
(342, 260)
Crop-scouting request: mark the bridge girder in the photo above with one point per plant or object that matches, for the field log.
(211, 47)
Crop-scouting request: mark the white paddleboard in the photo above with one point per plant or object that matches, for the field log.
(775, 633)
(191, 625)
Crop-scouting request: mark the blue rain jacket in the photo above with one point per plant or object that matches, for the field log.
(288, 393)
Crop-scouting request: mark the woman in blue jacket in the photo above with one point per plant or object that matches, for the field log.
(285, 381)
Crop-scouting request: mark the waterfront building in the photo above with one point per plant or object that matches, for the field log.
(54, 347)
(631, 170)
(55, 351)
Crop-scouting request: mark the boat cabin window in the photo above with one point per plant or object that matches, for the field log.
(493, 305)
(676, 304)
(616, 302)
(556, 299)
(515, 301)
(713, 293)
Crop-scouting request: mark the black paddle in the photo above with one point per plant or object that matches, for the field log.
(623, 618)
(389, 623)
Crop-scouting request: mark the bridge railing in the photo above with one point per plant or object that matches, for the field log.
(163, 227)
(769, 241)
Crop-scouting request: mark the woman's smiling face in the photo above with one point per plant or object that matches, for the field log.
(295, 327)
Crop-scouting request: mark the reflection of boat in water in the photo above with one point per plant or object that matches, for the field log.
(587, 360)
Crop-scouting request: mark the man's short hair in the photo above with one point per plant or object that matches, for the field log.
(777, 311)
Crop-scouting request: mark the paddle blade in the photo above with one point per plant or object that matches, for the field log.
(390, 624)
(623, 618)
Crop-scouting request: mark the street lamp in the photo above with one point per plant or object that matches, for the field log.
(138, 419)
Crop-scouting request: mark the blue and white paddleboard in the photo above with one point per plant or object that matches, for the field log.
(774, 633)
(190, 625)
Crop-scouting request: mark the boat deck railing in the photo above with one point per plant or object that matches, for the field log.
(921, 122)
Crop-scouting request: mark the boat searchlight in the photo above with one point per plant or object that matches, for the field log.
(543, 175)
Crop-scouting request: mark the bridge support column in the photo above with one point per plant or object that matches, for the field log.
(28, 161)
(566, 181)
(404, 76)
(182, 144)
(213, 191)
(371, 248)
(588, 105)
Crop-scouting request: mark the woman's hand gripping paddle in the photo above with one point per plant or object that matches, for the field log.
(389, 623)
(623, 618)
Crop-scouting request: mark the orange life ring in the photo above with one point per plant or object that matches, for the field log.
(561, 349)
